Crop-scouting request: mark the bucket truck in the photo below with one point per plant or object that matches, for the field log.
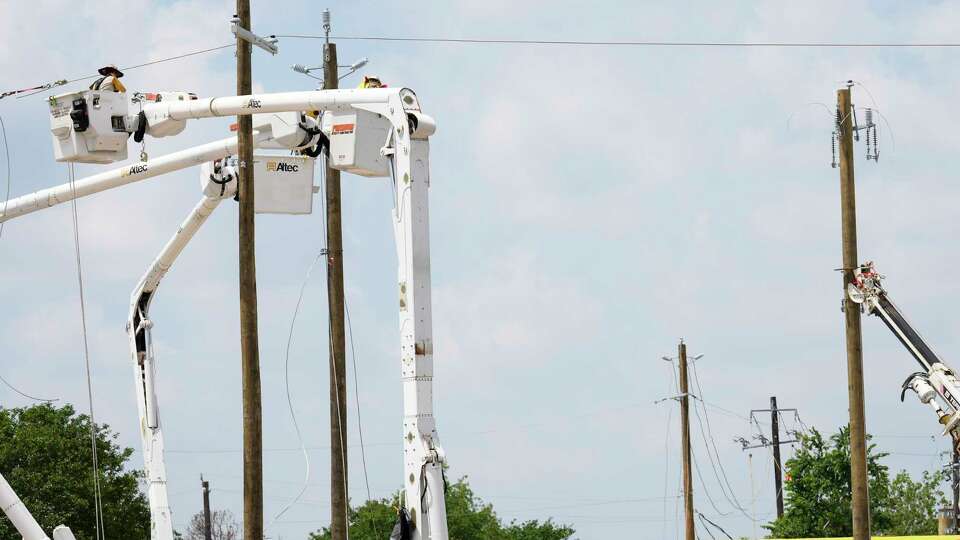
(370, 132)
(936, 384)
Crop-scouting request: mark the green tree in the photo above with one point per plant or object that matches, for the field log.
(912, 507)
(45, 455)
(817, 493)
(468, 518)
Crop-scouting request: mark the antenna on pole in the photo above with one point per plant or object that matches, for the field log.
(326, 25)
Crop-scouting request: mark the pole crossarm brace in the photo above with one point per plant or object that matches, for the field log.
(268, 44)
(768, 444)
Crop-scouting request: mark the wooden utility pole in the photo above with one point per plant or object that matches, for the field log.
(777, 467)
(338, 377)
(685, 445)
(955, 476)
(848, 215)
(206, 509)
(249, 346)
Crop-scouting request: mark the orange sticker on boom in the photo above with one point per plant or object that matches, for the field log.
(339, 129)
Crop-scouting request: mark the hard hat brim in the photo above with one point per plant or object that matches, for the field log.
(110, 70)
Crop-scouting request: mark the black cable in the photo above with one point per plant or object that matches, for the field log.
(713, 465)
(356, 395)
(731, 44)
(732, 499)
(704, 526)
(28, 396)
(137, 66)
(696, 465)
(703, 517)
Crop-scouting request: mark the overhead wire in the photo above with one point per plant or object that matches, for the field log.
(26, 395)
(356, 395)
(54, 84)
(703, 517)
(6, 201)
(630, 43)
(732, 499)
(713, 465)
(703, 484)
(286, 382)
(98, 496)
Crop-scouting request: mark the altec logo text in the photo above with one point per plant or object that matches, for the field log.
(280, 166)
(136, 169)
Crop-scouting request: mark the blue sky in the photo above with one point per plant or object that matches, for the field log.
(590, 206)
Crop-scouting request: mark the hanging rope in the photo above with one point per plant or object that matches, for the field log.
(286, 382)
(356, 396)
(97, 494)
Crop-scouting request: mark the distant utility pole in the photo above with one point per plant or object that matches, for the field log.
(249, 345)
(774, 442)
(777, 468)
(339, 502)
(206, 509)
(848, 214)
(685, 443)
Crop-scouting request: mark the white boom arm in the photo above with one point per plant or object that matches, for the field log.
(935, 386)
(19, 515)
(122, 176)
(23, 520)
(139, 328)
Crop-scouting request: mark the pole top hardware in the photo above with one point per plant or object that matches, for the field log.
(268, 43)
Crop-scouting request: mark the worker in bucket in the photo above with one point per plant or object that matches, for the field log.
(110, 81)
(371, 81)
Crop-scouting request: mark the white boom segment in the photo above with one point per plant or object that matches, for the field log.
(19, 515)
(122, 176)
(139, 328)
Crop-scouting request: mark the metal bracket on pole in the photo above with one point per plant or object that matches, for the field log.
(268, 43)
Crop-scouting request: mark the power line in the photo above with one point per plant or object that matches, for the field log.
(160, 61)
(98, 502)
(28, 396)
(719, 464)
(53, 84)
(356, 395)
(592, 43)
(696, 465)
(286, 382)
(703, 517)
